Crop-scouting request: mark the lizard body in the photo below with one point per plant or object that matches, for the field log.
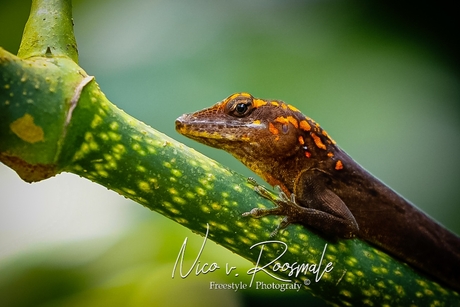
(325, 189)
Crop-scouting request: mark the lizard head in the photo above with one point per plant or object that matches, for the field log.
(244, 126)
(266, 135)
(270, 137)
(250, 128)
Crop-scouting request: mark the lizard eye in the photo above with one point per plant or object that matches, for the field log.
(240, 107)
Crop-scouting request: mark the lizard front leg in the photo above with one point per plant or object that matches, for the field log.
(330, 215)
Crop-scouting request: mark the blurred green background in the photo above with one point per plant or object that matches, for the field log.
(380, 78)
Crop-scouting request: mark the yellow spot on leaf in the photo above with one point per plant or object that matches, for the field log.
(368, 302)
(422, 283)
(114, 125)
(205, 209)
(104, 136)
(189, 195)
(144, 186)
(181, 220)
(129, 191)
(179, 200)
(114, 136)
(200, 191)
(103, 173)
(97, 120)
(223, 227)
(400, 290)
(176, 172)
(346, 293)
(174, 210)
(111, 165)
(167, 164)
(26, 129)
(151, 149)
(245, 240)
(237, 188)
(173, 191)
(93, 146)
(216, 206)
(381, 284)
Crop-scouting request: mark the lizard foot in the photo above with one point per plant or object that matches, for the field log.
(331, 216)
(284, 206)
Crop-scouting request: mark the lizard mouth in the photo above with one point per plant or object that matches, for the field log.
(211, 131)
(195, 128)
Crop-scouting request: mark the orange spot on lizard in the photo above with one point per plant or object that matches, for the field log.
(317, 141)
(281, 119)
(301, 140)
(304, 125)
(293, 121)
(339, 165)
(272, 129)
(293, 108)
(287, 120)
(327, 135)
(259, 102)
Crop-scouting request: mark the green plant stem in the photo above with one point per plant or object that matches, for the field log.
(49, 31)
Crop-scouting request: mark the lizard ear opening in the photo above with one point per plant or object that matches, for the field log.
(240, 106)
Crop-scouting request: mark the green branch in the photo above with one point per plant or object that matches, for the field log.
(54, 118)
(49, 31)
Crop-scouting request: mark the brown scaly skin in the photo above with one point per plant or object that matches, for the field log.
(333, 193)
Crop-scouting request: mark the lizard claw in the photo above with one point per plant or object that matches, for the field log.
(284, 223)
(255, 212)
(282, 202)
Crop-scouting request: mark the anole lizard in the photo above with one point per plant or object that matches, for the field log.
(321, 186)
